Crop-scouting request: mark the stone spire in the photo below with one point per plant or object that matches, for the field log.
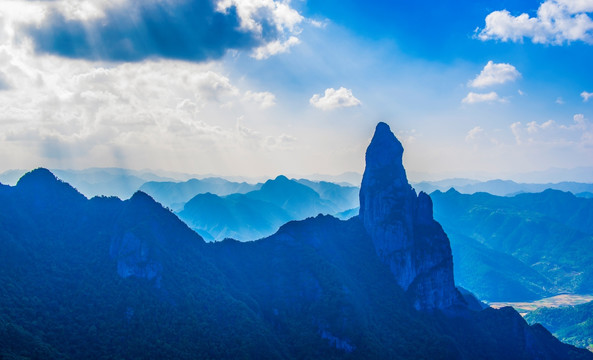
(400, 223)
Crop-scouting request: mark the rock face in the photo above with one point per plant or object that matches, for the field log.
(401, 225)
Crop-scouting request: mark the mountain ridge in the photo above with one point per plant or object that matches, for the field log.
(317, 288)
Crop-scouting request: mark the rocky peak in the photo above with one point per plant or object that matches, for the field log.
(384, 159)
(401, 225)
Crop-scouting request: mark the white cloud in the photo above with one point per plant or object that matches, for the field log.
(265, 99)
(552, 133)
(254, 13)
(474, 133)
(333, 99)
(473, 97)
(86, 10)
(321, 24)
(557, 22)
(273, 23)
(586, 95)
(560, 100)
(274, 47)
(494, 74)
(72, 113)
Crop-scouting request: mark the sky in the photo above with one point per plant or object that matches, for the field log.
(256, 88)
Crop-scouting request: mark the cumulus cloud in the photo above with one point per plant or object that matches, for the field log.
(586, 95)
(254, 14)
(494, 74)
(557, 22)
(473, 97)
(274, 47)
(193, 30)
(333, 99)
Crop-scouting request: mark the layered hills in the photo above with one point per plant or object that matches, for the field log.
(571, 324)
(105, 278)
(176, 194)
(519, 248)
(503, 187)
(260, 213)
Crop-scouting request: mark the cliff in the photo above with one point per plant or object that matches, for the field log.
(401, 226)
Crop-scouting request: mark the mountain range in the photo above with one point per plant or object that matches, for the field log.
(502, 187)
(175, 194)
(119, 182)
(106, 278)
(571, 324)
(519, 248)
(259, 213)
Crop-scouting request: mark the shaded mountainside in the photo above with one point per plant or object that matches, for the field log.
(343, 197)
(234, 216)
(542, 239)
(300, 201)
(260, 213)
(105, 278)
(494, 275)
(571, 324)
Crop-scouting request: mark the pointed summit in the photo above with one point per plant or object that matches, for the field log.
(385, 152)
(400, 223)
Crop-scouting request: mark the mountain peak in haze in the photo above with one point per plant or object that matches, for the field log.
(47, 188)
(401, 225)
(37, 177)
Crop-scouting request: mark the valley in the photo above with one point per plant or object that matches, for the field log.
(551, 302)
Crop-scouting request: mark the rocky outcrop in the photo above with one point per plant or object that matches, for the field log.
(401, 225)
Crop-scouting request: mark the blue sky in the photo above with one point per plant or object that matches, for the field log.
(479, 89)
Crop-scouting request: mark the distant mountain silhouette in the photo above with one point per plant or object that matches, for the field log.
(343, 197)
(175, 194)
(299, 200)
(500, 187)
(235, 216)
(521, 247)
(260, 213)
(105, 278)
(97, 181)
(586, 195)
